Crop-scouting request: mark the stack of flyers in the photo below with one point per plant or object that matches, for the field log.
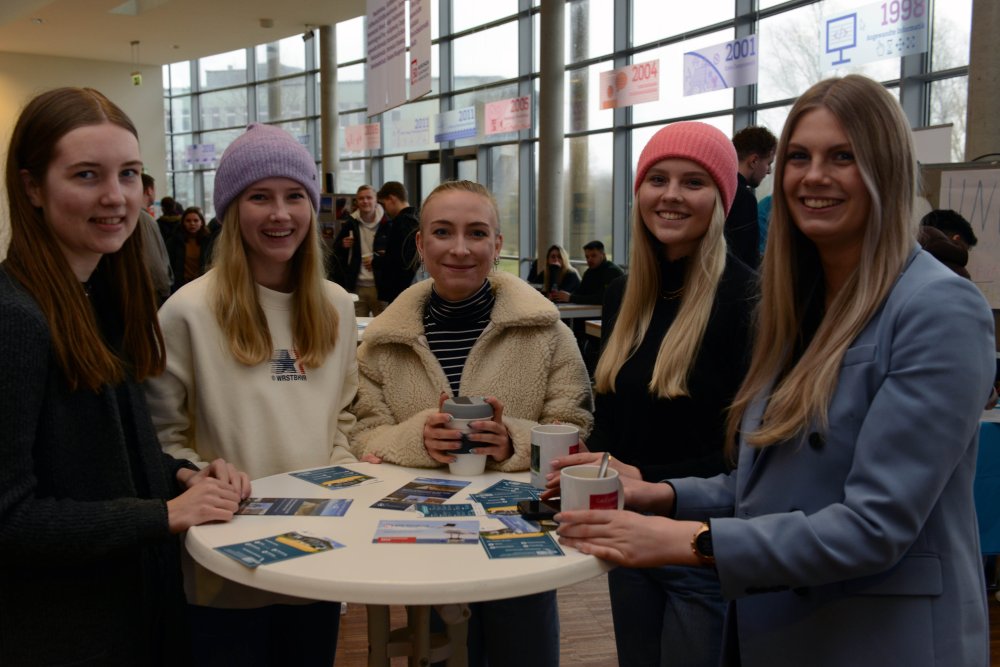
(278, 548)
(334, 477)
(502, 497)
(294, 506)
(519, 538)
(421, 490)
(426, 532)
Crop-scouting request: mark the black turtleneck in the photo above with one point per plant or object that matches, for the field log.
(452, 328)
(681, 437)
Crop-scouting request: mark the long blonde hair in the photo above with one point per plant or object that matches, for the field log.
(679, 347)
(238, 311)
(880, 138)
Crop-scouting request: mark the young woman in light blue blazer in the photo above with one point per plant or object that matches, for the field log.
(847, 534)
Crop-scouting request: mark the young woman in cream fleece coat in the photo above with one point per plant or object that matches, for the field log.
(526, 357)
(523, 360)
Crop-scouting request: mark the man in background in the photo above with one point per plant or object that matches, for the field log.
(755, 148)
(395, 269)
(153, 247)
(599, 274)
(362, 236)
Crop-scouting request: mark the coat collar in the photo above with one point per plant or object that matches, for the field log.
(517, 304)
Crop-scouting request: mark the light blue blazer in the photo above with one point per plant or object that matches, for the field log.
(857, 545)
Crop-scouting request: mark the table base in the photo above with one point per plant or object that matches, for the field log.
(415, 641)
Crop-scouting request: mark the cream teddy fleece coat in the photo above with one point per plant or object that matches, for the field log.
(526, 357)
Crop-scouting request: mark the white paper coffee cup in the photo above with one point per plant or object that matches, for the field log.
(582, 489)
(550, 441)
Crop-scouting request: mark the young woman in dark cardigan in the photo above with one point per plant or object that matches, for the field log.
(89, 505)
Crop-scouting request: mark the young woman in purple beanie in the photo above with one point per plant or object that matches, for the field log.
(675, 343)
(261, 365)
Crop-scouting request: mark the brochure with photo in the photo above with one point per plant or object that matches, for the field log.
(278, 548)
(426, 532)
(421, 490)
(294, 506)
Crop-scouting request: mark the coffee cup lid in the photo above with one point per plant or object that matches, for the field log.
(468, 407)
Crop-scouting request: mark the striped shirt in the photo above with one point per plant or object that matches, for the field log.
(452, 328)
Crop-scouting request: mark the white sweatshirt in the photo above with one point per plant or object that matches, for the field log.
(265, 419)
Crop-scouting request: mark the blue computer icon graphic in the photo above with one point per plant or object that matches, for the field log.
(841, 34)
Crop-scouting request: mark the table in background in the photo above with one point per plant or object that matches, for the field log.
(569, 311)
(593, 328)
(419, 575)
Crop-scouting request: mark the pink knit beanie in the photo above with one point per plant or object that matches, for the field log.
(263, 151)
(698, 142)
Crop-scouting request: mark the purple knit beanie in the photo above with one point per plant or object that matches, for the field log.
(263, 151)
(698, 142)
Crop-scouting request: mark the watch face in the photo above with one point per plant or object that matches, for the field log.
(704, 543)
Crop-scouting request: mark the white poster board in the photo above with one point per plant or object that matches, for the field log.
(975, 194)
(933, 144)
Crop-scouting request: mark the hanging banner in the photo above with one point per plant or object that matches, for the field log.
(362, 138)
(385, 76)
(725, 65)
(200, 155)
(420, 48)
(508, 115)
(888, 29)
(408, 133)
(633, 84)
(455, 124)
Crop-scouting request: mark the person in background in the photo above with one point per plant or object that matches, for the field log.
(676, 347)
(953, 225)
(599, 274)
(190, 248)
(755, 149)
(847, 533)
(471, 331)
(153, 247)
(170, 217)
(261, 368)
(362, 236)
(558, 275)
(951, 253)
(89, 506)
(395, 269)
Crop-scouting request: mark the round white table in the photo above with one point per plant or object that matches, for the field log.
(383, 574)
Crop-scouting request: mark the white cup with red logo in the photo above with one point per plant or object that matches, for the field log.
(550, 441)
(582, 489)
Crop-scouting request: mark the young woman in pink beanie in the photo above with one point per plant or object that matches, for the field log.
(675, 351)
(261, 365)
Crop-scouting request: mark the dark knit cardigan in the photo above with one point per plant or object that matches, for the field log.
(89, 572)
(681, 437)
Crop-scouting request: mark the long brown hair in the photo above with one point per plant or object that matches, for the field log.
(36, 262)
(880, 138)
